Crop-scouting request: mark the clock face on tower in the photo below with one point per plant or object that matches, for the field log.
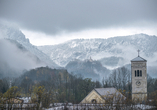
(138, 83)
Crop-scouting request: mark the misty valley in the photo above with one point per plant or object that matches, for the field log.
(51, 76)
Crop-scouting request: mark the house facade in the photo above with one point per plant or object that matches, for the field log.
(103, 95)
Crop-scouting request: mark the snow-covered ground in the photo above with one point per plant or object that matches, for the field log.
(93, 107)
(143, 107)
(26, 99)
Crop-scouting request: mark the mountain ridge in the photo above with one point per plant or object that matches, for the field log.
(111, 53)
(83, 49)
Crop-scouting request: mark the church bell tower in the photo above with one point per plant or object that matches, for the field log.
(139, 78)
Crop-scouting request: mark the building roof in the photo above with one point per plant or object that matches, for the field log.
(138, 59)
(105, 91)
(14, 100)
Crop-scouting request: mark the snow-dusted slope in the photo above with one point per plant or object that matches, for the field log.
(13, 33)
(88, 68)
(14, 59)
(122, 48)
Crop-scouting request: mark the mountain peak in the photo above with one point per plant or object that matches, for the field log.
(8, 31)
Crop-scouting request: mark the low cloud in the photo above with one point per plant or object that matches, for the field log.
(53, 17)
(15, 57)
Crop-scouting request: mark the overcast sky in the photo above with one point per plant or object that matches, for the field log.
(48, 22)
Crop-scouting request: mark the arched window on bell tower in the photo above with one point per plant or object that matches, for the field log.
(141, 73)
(135, 73)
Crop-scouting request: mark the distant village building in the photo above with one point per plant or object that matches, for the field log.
(13, 101)
(103, 95)
(139, 78)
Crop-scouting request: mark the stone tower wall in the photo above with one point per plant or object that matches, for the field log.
(139, 84)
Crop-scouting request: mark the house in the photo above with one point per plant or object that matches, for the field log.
(19, 103)
(104, 95)
(13, 101)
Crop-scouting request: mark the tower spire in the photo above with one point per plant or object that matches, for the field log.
(138, 52)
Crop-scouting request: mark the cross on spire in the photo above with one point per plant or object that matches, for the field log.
(138, 52)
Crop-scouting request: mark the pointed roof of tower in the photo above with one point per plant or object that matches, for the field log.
(138, 59)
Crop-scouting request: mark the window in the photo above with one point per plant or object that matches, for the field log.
(141, 73)
(93, 101)
(137, 73)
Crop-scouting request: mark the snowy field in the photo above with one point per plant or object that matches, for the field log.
(93, 107)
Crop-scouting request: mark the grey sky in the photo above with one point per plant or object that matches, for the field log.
(55, 16)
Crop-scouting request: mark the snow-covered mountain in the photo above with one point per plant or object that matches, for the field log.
(112, 52)
(10, 32)
(122, 48)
